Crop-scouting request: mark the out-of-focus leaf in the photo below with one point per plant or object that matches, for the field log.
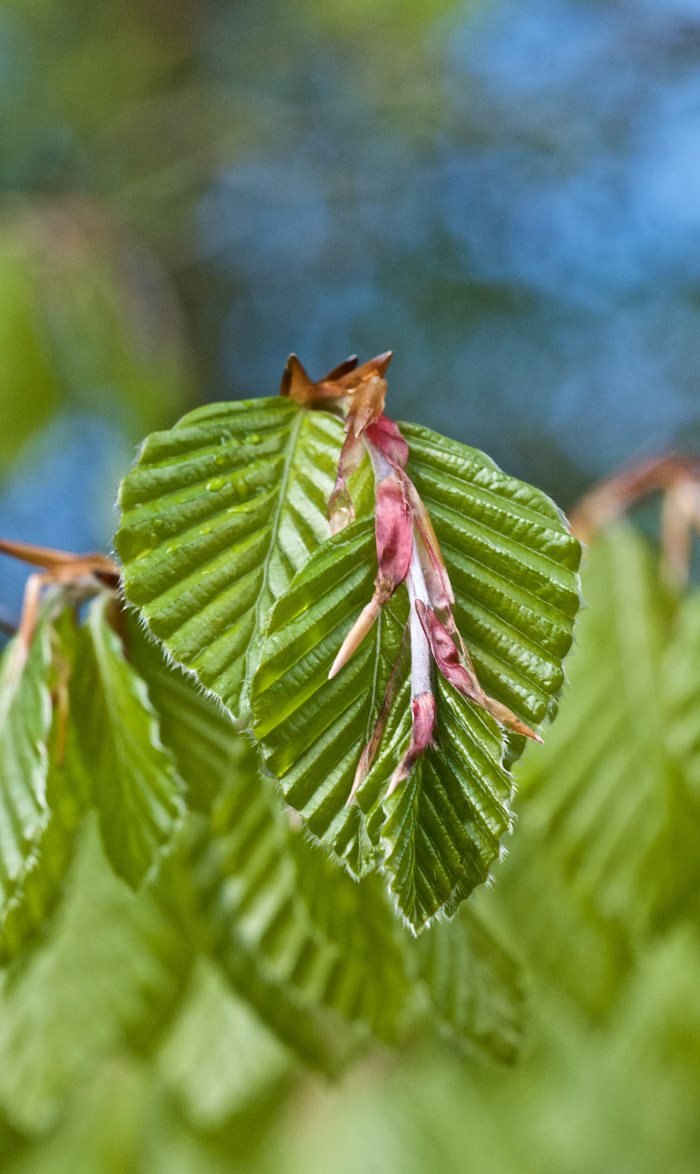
(567, 944)
(39, 889)
(25, 722)
(606, 795)
(675, 857)
(28, 386)
(217, 516)
(132, 777)
(86, 322)
(440, 830)
(111, 970)
(312, 950)
(218, 1058)
(475, 985)
(123, 1120)
(682, 670)
(194, 726)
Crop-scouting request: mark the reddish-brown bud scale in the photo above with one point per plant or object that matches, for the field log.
(384, 434)
(465, 682)
(446, 655)
(424, 711)
(394, 533)
(424, 718)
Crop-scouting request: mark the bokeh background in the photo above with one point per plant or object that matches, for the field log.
(504, 192)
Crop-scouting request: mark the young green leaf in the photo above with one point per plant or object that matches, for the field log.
(194, 726)
(606, 790)
(25, 816)
(131, 776)
(314, 952)
(440, 830)
(111, 971)
(217, 516)
(475, 985)
(218, 1058)
(25, 721)
(513, 565)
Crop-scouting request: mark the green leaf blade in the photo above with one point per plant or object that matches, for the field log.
(513, 565)
(314, 952)
(35, 843)
(311, 729)
(25, 722)
(440, 832)
(131, 776)
(217, 517)
(193, 725)
(110, 972)
(475, 985)
(601, 789)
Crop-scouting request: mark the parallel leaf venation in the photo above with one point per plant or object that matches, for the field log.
(601, 791)
(218, 516)
(436, 844)
(512, 562)
(25, 722)
(318, 936)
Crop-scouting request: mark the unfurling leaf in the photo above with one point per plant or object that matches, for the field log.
(512, 564)
(443, 827)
